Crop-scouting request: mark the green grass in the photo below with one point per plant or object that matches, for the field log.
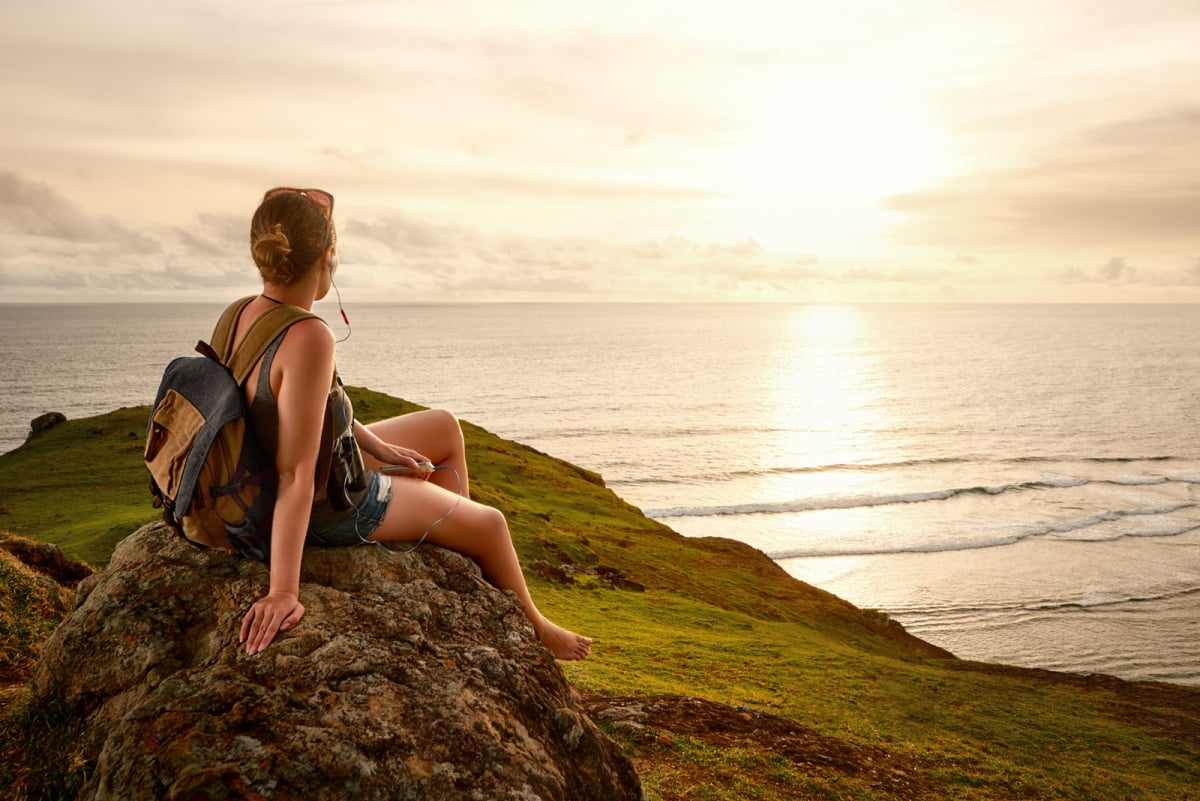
(81, 485)
(716, 620)
(980, 734)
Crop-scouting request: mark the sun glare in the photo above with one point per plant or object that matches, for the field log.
(814, 164)
(822, 390)
(826, 324)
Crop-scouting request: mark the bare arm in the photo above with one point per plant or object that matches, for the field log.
(304, 366)
(385, 452)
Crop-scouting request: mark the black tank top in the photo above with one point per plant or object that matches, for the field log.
(348, 480)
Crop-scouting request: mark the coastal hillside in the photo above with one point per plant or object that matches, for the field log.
(721, 676)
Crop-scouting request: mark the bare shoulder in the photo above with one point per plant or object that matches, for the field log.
(308, 342)
(311, 335)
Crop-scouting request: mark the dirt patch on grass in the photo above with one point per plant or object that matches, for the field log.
(650, 721)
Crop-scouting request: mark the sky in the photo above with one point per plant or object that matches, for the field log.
(520, 151)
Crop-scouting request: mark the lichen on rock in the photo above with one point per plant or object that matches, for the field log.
(410, 677)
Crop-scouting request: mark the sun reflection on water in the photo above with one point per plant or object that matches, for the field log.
(824, 394)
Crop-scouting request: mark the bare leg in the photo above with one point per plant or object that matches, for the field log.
(434, 433)
(473, 529)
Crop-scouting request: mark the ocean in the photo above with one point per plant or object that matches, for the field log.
(1016, 484)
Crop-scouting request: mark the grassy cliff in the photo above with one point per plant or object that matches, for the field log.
(723, 676)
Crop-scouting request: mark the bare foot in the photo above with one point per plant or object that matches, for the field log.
(565, 645)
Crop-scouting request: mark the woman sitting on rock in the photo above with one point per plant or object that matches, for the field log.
(294, 245)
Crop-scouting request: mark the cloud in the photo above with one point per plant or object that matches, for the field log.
(56, 249)
(1130, 184)
(215, 236)
(403, 234)
(1118, 272)
(434, 261)
(1189, 274)
(391, 253)
(37, 211)
(1114, 271)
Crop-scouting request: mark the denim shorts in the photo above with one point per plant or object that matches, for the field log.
(353, 527)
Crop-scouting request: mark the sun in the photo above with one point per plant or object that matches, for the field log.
(811, 168)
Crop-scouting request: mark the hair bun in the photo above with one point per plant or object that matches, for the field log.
(288, 235)
(271, 251)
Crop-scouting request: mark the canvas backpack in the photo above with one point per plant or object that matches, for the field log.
(208, 472)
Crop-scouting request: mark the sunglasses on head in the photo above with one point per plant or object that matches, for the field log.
(318, 196)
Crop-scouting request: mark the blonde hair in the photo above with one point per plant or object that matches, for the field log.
(288, 237)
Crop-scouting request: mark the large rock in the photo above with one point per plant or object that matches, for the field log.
(410, 677)
(45, 422)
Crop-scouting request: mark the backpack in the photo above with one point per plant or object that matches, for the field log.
(208, 472)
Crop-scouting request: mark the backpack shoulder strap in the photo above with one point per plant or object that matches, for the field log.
(262, 333)
(222, 336)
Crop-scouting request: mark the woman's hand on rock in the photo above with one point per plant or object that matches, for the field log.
(271, 614)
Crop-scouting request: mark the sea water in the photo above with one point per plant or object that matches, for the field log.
(1013, 483)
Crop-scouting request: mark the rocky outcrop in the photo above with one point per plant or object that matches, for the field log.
(45, 422)
(410, 677)
(47, 559)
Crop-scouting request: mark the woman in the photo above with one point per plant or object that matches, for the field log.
(294, 245)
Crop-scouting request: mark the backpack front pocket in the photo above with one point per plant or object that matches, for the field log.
(173, 429)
